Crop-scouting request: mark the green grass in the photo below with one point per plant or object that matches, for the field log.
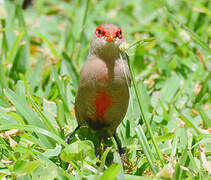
(166, 132)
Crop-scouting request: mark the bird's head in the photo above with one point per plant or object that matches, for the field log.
(106, 41)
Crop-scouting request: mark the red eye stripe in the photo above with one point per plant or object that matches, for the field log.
(119, 33)
(100, 32)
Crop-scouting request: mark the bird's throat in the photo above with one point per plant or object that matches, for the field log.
(108, 52)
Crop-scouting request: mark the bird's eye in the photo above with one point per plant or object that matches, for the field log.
(99, 31)
(119, 33)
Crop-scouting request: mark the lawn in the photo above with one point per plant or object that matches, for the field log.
(166, 133)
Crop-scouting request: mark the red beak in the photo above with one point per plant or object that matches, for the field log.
(110, 35)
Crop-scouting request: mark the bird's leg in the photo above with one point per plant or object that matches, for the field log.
(71, 134)
(67, 141)
(122, 155)
(119, 146)
(98, 152)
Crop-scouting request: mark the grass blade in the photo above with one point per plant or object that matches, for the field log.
(143, 112)
(45, 120)
(3, 53)
(82, 30)
(71, 69)
(30, 117)
(32, 128)
(15, 46)
(103, 159)
(59, 84)
(51, 47)
(146, 148)
(188, 122)
(194, 36)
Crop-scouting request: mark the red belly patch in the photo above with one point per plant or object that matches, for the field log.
(102, 102)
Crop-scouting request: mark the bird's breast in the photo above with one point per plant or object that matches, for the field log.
(103, 95)
(102, 102)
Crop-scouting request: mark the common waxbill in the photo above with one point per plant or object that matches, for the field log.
(103, 94)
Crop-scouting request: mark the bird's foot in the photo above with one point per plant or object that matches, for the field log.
(125, 160)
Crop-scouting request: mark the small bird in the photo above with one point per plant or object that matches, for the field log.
(103, 94)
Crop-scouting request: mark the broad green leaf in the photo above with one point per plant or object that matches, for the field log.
(111, 172)
(78, 150)
(170, 88)
(52, 152)
(45, 171)
(23, 167)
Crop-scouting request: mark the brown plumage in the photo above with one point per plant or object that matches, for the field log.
(103, 94)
